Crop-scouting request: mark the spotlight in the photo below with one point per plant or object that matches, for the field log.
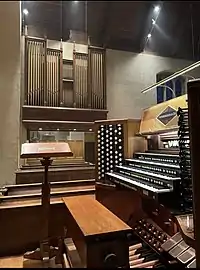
(25, 11)
(149, 35)
(153, 21)
(156, 9)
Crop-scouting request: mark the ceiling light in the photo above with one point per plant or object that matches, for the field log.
(153, 21)
(173, 76)
(149, 35)
(156, 9)
(25, 11)
(74, 129)
(90, 129)
(40, 128)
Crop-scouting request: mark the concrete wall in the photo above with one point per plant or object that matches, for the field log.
(9, 90)
(127, 74)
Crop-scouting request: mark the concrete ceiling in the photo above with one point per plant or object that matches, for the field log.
(123, 25)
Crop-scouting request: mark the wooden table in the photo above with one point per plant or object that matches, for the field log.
(99, 236)
(44, 151)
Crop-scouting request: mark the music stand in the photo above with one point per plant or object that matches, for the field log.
(45, 151)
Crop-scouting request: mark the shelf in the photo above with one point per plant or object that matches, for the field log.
(68, 80)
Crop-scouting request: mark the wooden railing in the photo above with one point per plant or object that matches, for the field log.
(52, 81)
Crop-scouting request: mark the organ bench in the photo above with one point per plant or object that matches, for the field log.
(100, 237)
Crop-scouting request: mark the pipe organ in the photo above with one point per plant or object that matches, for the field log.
(150, 189)
(53, 81)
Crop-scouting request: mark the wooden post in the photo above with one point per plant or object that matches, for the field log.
(194, 125)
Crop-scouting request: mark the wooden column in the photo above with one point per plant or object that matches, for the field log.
(194, 125)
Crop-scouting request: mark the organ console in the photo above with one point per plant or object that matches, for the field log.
(151, 189)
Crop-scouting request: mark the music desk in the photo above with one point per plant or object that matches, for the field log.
(45, 151)
(100, 237)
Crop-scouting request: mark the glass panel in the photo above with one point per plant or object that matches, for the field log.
(78, 142)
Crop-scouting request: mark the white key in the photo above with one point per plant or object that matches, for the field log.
(137, 183)
(149, 173)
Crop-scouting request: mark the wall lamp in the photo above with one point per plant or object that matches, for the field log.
(173, 76)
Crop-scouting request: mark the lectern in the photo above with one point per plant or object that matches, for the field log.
(45, 151)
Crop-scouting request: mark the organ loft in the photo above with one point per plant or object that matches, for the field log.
(92, 177)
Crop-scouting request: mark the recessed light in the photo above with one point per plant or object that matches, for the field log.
(149, 35)
(156, 9)
(40, 128)
(90, 129)
(58, 129)
(74, 129)
(25, 11)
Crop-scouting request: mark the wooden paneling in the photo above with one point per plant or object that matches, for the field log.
(55, 125)
(62, 114)
(150, 122)
(103, 235)
(23, 233)
(77, 148)
(90, 152)
(61, 174)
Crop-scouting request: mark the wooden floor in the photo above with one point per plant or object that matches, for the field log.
(20, 262)
(11, 262)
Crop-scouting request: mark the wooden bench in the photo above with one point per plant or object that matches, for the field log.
(100, 237)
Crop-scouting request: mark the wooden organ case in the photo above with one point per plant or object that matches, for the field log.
(143, 184)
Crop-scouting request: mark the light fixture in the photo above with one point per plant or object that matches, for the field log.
(58, 129)
(156, 9)
(153, 21)
(74, 129)
(173, 76)
(149, 35)
(90, 129)
(40, 128)
(25, 11)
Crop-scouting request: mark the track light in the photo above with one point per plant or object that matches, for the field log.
(156, 9)
(153, 21)
(25, 11)
(149, 35)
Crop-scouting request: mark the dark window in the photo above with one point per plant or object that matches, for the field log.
(177, 85)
